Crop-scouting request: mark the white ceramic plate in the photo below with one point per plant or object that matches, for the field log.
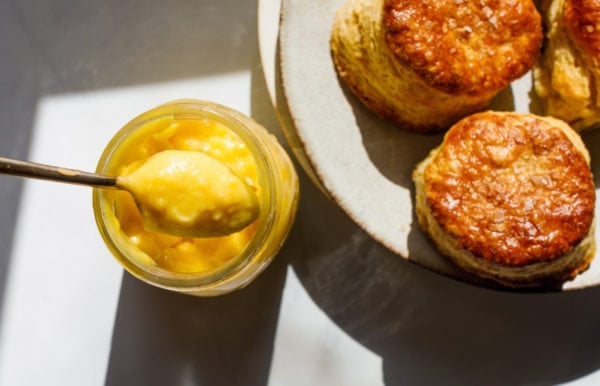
(360, 161)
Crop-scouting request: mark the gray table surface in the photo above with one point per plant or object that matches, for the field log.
(427, 329)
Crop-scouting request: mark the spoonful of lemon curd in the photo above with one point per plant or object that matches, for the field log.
(181, 193)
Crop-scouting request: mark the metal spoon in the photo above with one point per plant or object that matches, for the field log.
(233, 213)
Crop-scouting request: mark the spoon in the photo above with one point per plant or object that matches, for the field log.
(177, 192)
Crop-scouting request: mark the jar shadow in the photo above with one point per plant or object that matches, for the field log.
(220, 340)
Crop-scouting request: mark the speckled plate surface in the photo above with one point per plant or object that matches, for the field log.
(363, 163)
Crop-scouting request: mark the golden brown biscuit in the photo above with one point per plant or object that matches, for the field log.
(425, 64)
(510, 197)
(567, 74)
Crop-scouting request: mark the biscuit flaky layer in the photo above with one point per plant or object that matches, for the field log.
(426, 64)
(511, 197)
(567, 74)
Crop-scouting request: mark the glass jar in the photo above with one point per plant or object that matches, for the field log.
(276, 178)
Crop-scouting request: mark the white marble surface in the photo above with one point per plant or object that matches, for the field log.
(335, 308)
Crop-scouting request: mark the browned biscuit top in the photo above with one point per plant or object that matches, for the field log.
(512, 189)
(583, 22)
(464, 46)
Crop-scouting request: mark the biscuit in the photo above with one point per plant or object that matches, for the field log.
(567, 74)
(510, 197)
(425, 64)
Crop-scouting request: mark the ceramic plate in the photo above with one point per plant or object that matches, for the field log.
(363, 163)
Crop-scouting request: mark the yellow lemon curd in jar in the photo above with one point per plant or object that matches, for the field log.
(179, 253)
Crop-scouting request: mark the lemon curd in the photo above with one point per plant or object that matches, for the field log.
(224, 150)
(232, 145)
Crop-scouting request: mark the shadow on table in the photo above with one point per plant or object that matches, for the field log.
(432, 330)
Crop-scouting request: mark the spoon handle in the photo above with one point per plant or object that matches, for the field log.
(53, 173)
